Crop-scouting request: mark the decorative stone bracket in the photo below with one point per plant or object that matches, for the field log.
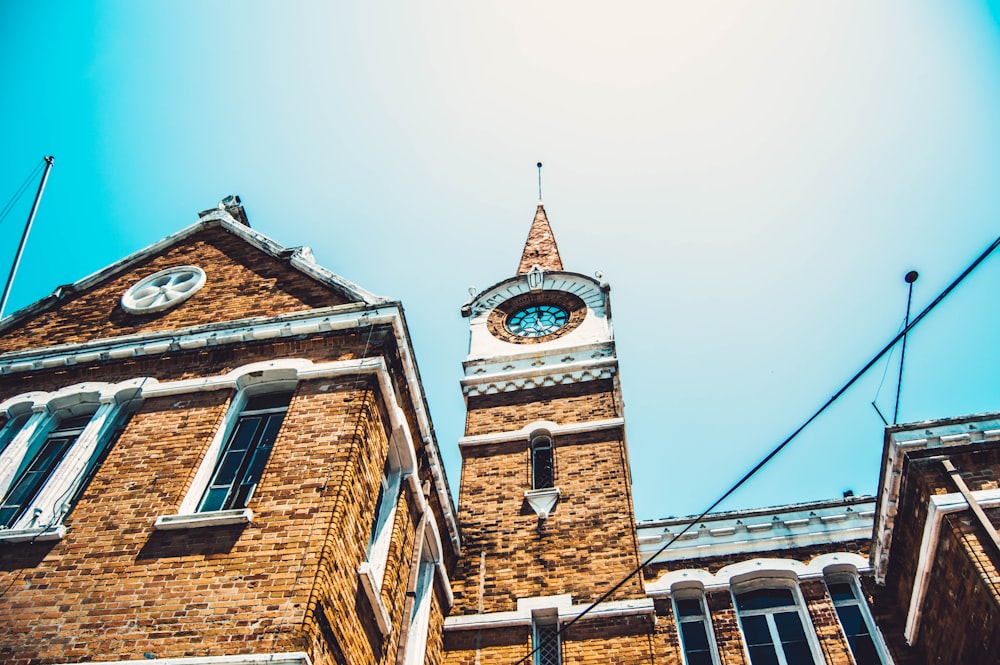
(542, 501)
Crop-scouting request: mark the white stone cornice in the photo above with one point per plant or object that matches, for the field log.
(522, 616)
(293, 658)
(525, 432)
(571, 372)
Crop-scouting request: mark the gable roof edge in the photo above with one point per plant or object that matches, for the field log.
(298, 258)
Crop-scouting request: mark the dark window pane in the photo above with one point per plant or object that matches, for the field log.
(687, 607)
(228, 468)
(268, 401)
(851, 619)
(760, 599)
(798, 653)
(789, 625)
(214, 498)
(694, 636)
(864, 650)
(33, 478)
(548, 645)
(541, 465)
(841, 591)
(699, 658)
(763, 655)
(755, 630)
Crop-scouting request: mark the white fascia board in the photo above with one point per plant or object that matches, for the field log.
(790, 541)
(225, 221)
(981, 428)
(555, 430)
(293, 658)
(523, 615)
(248, 330)
(938, 506)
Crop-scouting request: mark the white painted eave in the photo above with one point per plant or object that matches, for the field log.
(523, 615)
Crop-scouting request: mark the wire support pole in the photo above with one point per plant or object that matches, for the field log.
(910, 278)
(24, 236)
(784, 443)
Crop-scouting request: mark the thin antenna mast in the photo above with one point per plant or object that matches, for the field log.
(910, 278)
(539, 182)
(24, 236)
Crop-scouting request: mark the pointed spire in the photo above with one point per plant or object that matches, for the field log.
(540, 248)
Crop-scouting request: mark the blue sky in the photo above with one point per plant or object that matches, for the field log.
(753, 178)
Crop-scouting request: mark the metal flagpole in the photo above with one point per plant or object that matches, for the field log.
(24, 236)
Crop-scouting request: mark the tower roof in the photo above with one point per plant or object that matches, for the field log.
(540, 248)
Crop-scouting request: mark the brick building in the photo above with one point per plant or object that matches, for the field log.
(216, 451)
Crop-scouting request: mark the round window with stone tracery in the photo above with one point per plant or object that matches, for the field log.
(163, 290)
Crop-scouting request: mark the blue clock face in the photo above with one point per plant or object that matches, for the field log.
(537, 320)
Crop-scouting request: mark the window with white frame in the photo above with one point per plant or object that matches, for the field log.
(694, 623)
(241, 461)
(48, 454)
(773, 624)
(542, 466)
(416, 639)
(545, 639)
(855, 619)
(377, 551)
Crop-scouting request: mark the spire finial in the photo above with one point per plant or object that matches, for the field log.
(539, 182)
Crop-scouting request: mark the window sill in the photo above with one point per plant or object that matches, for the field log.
(374, 598)
(542, 501)
(32, 535)
(199, 520)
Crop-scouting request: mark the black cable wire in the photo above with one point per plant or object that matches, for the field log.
(781, 446)
(20, 191)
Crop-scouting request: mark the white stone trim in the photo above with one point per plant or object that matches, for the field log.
(566, 612)
(938, 506)
(371, 589)
(292, 658)
(341, 317)
(571, 372)
(40, 535)
(552, 428)
(197, 520)
(542, 500)
(762, 567)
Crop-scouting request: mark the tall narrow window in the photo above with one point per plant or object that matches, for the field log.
(381, 533)
(773, 628)
(545, 642)
(420, 619)
(542, 474)
(38, 466)
(245, 453)
(855, 619)
(695, 627)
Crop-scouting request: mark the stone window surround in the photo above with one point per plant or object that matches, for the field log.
(416, 643)
(106, 403)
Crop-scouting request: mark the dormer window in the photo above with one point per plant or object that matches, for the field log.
(542, 467)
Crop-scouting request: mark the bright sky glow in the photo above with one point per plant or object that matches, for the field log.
(753, 179)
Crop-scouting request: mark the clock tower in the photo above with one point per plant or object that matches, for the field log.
(545, 503)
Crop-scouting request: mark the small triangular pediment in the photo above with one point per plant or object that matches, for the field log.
(246, 275)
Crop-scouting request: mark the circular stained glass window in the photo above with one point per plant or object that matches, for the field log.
(163, 290)
(537, 320)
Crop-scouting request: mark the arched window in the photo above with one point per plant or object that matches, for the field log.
(542, 468)
(247, 448)
(694, 624)
(773, 624)
(855, 619)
